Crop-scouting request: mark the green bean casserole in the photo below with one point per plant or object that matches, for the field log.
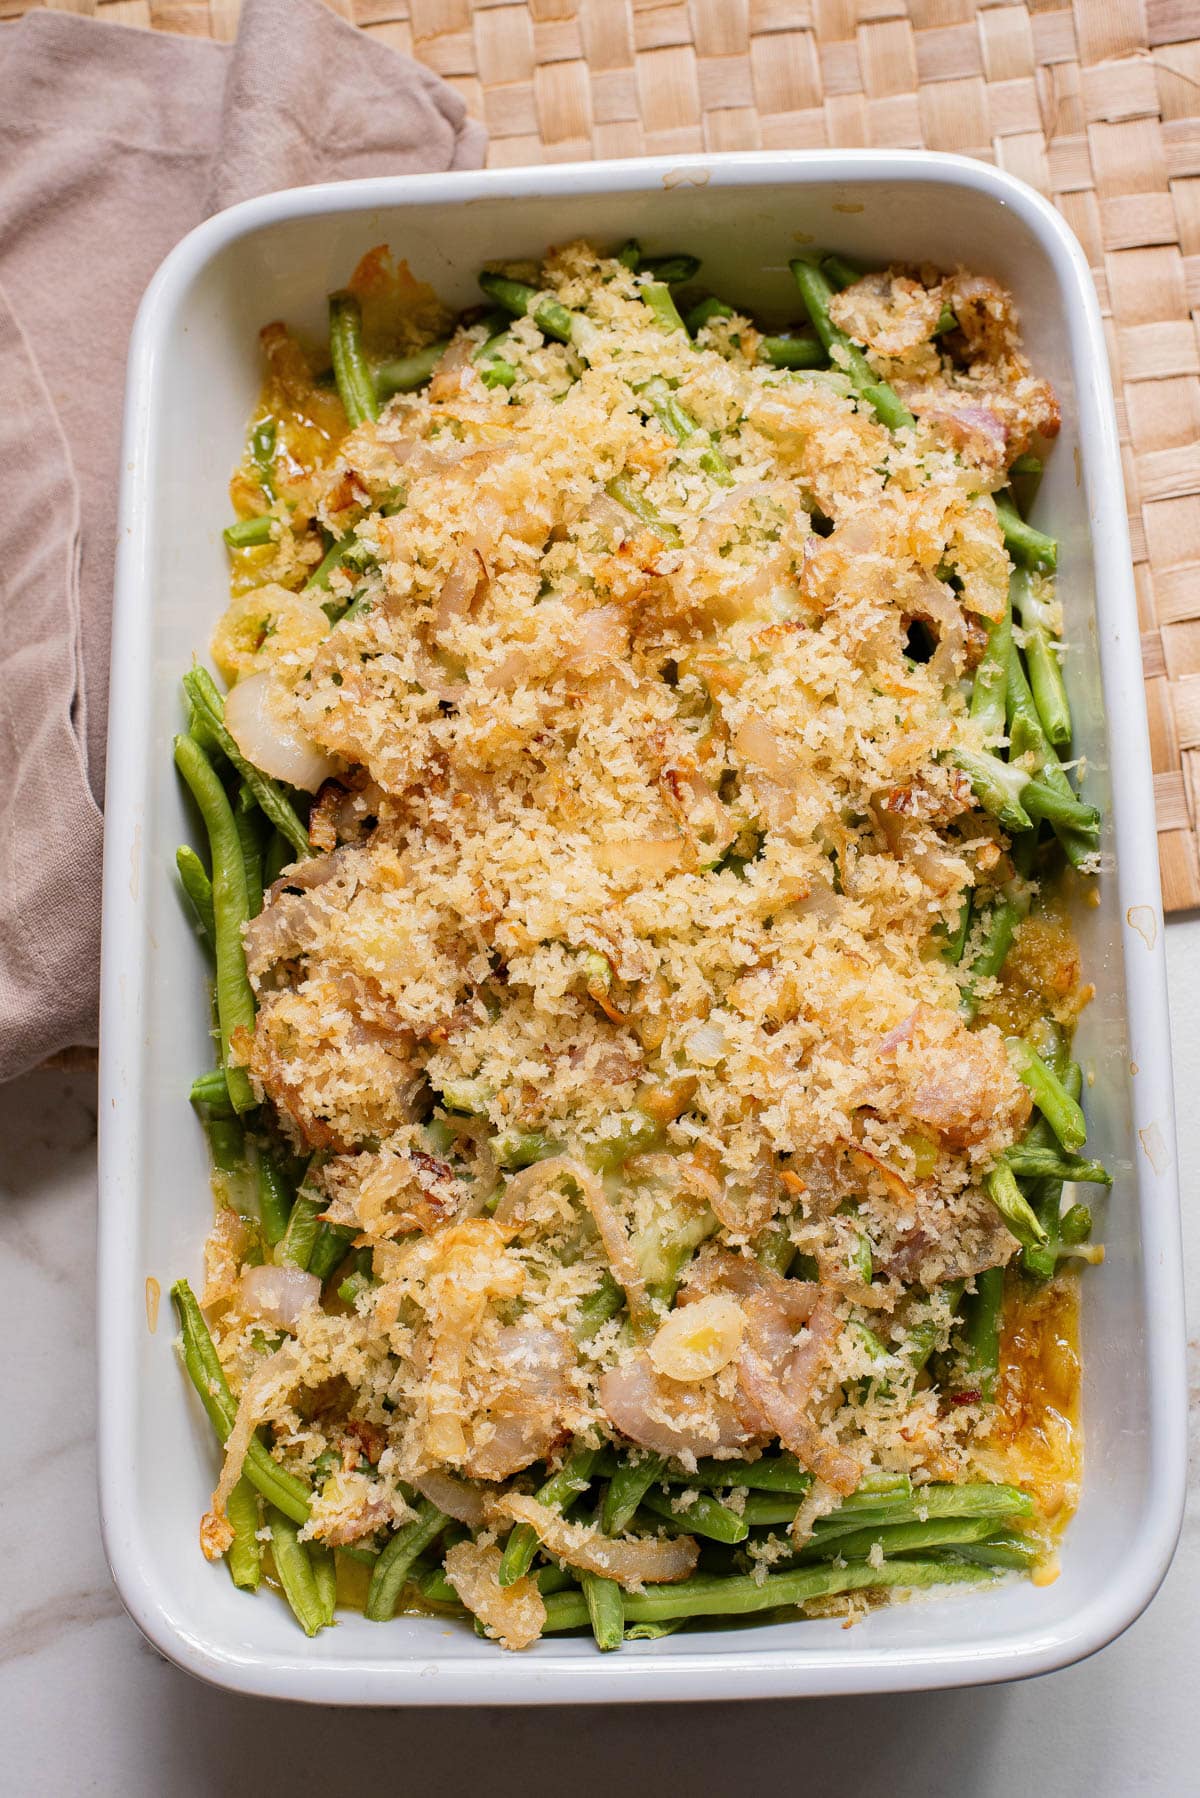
(640, 829)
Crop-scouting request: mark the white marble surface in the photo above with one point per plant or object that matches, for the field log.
(88, 1707)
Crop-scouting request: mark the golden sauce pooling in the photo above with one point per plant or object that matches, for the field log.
(1037, 1433)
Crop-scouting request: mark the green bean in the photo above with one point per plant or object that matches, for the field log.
(923, 1337)
(351, 371)
(999, 929)
(324, 1572)
(973, 1498)
(295, 1246)
(1076, 1226)
(773, 1473)
(559, 1491)
(550, 316)
(674, 270)
(1049, 1164)
(434, 1587)
(596, 1309)
(626, 1490)
(554, 1579)
(1045, 1193)
(494, 368)
(989, 689)
(704, 1516)
(1045, 671)
(274, 1198)
(900, 1539)
(235, 998)
(622, 489)
(244, 1553)
(795, 350)
(262, 453)
(391, 1570)
(209, 707)
(279, 1487)
(405, 374)
(840, 271)
(226, 1144)
(1063, 812)
(277, 857)
(250, 821)
(981, 1333)
(521, 1148)
(248, 533)
(211, 1092)
(775, 1248)
(1060, 1110)
(629, 255)
(329, 1250)
(956, 939)
(295, 1572)
(862, 1261)
(946, 321)
(1006, 1548)
(999, 786)
(657, 298)
(636, 1134)
(1032, 548)
(703, 312)
(333, 558)
(605, 1603)
(683, 427)
(816, 292)
(710, 1595)
(198, 889)
(1014, 1208)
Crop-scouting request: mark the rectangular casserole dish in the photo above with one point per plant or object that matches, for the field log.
(193, 378)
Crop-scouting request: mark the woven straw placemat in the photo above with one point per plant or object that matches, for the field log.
(1097, 104)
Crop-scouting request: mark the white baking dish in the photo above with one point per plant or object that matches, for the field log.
(193, 376)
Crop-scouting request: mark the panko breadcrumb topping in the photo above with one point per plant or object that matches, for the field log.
(621, 965)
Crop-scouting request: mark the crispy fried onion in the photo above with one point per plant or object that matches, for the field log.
(389, 1191)
(471, 1267)
(778, 1371)
(614, 1237)
(528, 1387)
(511, 1615)
(633, 1561)
(267, 1386)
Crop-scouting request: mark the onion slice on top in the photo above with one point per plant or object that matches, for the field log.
(256, 718)
(514, 1614)
(632, 1561)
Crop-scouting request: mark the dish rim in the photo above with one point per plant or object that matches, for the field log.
(745, 1671)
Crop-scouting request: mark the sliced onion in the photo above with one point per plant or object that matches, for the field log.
(256, 721)
(756, 742)
(275, 1376)
(455, 1497)
(528, 1390)
(630, 1560)
(672, 1417)
(513, 1614)
(603, 631)
(460, 589)
(277, 1295)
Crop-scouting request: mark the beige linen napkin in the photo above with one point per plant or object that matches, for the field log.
(113, 144)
